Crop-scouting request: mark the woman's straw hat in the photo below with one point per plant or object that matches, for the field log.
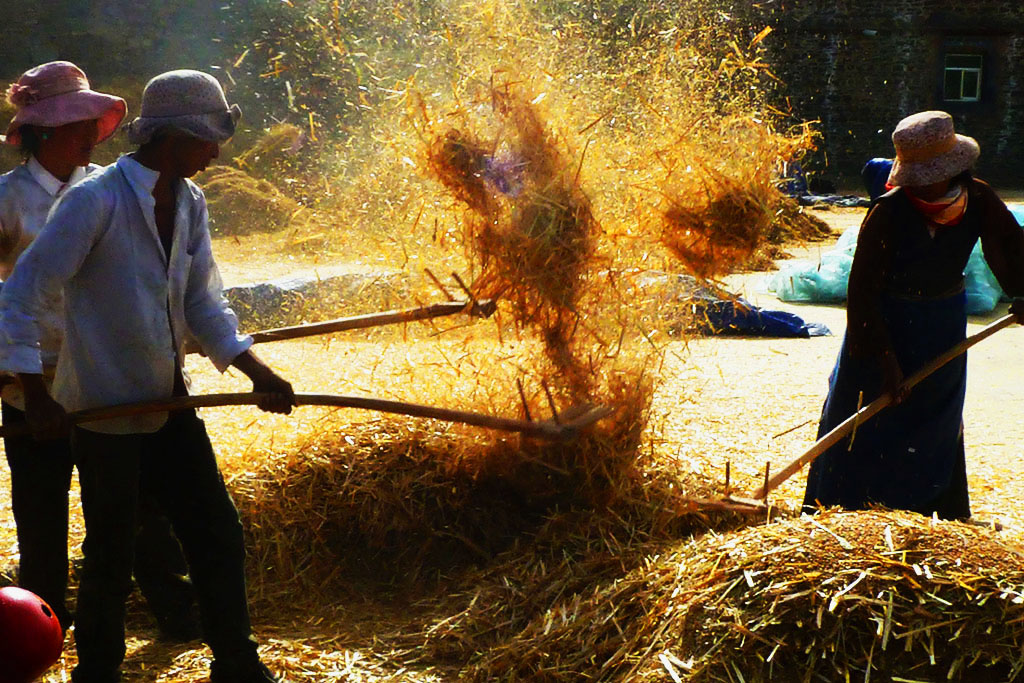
(928, 150)
(184, 101)
(58, 93)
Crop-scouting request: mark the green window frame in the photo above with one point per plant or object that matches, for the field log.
(961, 80)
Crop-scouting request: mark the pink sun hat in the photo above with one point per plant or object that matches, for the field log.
(929, 150)
(58, 93)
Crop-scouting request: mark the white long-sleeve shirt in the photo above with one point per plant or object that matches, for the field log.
(27, 193)
(127, 305)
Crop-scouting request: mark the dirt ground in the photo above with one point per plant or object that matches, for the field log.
(738, 400)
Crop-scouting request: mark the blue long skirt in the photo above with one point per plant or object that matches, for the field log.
(909, 456)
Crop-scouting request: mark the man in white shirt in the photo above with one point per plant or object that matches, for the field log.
(130, 246)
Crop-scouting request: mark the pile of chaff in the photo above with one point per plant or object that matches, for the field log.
(721, 206)
(395, 502)
(264, 188)
(839, 596)
(276, 155)
(527, 223)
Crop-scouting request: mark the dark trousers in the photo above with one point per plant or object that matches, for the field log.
(40, 481)
(911, 456)
(176, 468)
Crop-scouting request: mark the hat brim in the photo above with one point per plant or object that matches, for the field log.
(216, 127)
(71, 107)
(962, 157)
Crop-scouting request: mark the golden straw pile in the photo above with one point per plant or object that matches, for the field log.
(863, 596)
(248, 204)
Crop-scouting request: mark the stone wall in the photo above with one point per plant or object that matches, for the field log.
(110, 38)
(859, 67)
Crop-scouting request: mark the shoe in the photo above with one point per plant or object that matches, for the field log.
(254, 673)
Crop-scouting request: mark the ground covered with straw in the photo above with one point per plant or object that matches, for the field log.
(374, 556)
(558, 158)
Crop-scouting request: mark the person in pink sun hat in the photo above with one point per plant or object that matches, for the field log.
(55, 94)
(906, 304)
(58, 121)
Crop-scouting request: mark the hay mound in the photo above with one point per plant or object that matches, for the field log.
(241, 204)
(382, 500)
(274, 154)
(393, 501)
(791, 224)
(495, 617)
(840, 596)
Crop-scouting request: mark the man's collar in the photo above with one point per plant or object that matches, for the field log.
(143, 178)
(53, 185)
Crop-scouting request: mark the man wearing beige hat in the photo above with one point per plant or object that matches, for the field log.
(58, 121)
(905, 306)
(130, 246)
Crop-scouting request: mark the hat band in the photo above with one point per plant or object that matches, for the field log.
(910, 156)
(145, 115)
(21, 95)
(63, 88)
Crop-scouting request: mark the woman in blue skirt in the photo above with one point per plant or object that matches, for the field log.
(905, 306)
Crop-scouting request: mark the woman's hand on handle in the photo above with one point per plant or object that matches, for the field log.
(1017, 309)
(893, 379)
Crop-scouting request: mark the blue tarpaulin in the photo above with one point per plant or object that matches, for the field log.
(702, 307)
(825, 281)
(741, 318)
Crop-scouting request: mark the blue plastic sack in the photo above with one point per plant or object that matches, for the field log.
(817, 282)
(739, 317)
(983, 290)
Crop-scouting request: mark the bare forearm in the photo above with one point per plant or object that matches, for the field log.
(280, 395)
(251, 365)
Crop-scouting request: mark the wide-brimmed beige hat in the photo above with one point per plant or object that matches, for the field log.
(184, 101)
(57, 93)
(928, 150)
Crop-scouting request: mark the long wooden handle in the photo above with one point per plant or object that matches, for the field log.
(876, 406)
(481, 309)
(584, 416)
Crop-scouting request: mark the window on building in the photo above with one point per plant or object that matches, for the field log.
(962, 78)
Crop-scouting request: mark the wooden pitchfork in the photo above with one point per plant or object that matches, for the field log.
(567, 426)
(876, 406)
(570, 422)
(483, 308)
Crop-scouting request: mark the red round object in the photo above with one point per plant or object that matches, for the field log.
(31, 638)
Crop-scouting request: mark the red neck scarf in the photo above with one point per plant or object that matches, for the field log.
(948, 210)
